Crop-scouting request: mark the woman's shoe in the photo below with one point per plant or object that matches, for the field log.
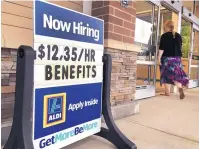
(182, 95)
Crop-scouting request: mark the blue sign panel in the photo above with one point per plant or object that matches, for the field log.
(63, 23)
(59, 108)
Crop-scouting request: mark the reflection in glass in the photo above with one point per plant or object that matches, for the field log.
(186, 38)
(195, 56)
(194, 73)
(142, 75)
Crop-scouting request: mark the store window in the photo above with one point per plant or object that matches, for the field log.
(186, 37)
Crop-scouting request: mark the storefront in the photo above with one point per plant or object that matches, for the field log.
(131, 36)
(119, 27)
(150, 18)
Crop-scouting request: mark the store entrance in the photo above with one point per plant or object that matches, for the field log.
(146, 36)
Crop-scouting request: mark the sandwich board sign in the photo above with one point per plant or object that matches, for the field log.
(68, 74)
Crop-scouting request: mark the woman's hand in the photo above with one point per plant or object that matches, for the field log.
(160, 52)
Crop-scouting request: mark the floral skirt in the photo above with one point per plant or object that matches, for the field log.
(172, 71)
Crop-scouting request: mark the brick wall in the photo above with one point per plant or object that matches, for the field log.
(119, 22)
(8, 78)
(119, 26)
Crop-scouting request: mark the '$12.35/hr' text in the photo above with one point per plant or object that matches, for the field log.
(52, 52)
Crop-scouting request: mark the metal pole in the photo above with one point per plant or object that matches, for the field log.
(191, 51)
(150, 52)
(157, 48)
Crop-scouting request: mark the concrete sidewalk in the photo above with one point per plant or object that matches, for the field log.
(163, 123)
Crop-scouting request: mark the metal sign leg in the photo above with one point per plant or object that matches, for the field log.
(20, 135)
(112, 134)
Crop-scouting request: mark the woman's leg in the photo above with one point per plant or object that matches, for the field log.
(179, 85)
(181, 91)
(167, 88)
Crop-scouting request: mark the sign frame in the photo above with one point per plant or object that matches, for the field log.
(62, 121)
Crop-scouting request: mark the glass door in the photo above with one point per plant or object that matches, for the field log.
(186, 33)
(194, 60)
(146, 36)
(166, 13)
(190, 38)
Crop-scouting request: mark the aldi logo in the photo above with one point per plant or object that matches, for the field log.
(54, 109)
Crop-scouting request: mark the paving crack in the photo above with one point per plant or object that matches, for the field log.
(185, 138)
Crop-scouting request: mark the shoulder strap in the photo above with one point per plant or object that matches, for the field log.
(174, 34)
(175, 45)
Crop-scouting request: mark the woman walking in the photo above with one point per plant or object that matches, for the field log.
(169, 57)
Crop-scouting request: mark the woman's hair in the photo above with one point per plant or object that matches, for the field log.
(170, 25)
